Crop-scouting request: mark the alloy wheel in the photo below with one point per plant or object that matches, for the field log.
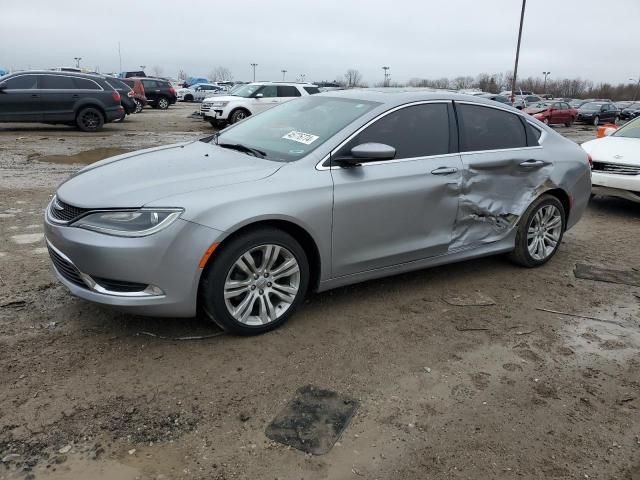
(544, 232)
(262, 284)
(90, 120)
(163, 103)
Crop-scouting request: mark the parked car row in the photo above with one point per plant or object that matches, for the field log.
(199, 91)
(250, 99)
(87, 101)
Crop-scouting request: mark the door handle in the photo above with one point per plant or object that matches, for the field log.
(531, 163)
(35, 95)
(444, 171)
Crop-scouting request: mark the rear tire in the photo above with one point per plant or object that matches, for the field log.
(540, 232)
(616, 120)
(569, 123)
(163, 103)
(138, 105)
(596, 121)
(89, 119)
(255, 282)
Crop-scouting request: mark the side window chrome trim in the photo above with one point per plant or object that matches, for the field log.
(23, 75)
(320, 165)
(71, 77)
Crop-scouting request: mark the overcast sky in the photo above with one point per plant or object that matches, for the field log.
(593, 39)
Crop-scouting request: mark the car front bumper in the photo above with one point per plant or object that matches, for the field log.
(156, 275)
(624, 186)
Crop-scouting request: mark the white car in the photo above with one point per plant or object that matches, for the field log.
(616, 162)
(198, 92)
(251, 99)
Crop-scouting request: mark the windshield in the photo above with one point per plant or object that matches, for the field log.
(591, 106)
(541, 105)
(630, 130)
(292, 130)
(246, 90)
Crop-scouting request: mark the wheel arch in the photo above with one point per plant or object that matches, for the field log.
(301, 234)
(95, 105)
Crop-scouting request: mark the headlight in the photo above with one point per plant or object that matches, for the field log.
(219, 104)
(129, 223)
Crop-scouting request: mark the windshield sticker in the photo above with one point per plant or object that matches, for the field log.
(301, 137)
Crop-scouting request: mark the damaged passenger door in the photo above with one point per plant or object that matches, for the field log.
(504, 170)
(389, 212)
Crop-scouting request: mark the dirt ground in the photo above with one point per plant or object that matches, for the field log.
(444, 391)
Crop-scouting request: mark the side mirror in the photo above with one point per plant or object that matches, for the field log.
(259, 95)
(366, 152)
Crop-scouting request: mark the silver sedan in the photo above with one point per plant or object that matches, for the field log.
(317, 193)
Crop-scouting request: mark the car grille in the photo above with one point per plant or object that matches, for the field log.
(66, 269)
(64, 212)
(616, 168)
(119, 286)
(205, 107)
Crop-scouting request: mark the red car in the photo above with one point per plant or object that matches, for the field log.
(551, 112)
(138, 90)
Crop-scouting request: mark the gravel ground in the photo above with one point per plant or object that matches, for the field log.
(444, 391)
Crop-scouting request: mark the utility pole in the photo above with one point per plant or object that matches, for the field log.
(546, 74)
(635, 95)
(386, 76)
(119, 58)
(254, 65)
(515, 68)
(283, 74)
(77, 59)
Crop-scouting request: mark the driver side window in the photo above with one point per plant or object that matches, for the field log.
(268, 91)
(416, 131)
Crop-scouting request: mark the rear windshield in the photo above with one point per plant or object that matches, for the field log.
(312, 90)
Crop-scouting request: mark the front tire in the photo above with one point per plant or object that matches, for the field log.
(238, 115)
(596, 121)
(539, 232)
(569, 123)
(255, 282)
(89, 119)
(616, 120)
(138, 105)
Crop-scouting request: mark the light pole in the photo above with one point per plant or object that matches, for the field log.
(283, 74)
(515, 68)
(302, 77)
(386, 76)
(254, 65)
(546, 74)
(635, 94)
(77, 59)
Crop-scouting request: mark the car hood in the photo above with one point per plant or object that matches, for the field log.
(622, 150)
(224, 98)
(533, 110)
(135, 179)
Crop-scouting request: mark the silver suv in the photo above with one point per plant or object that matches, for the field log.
(251, 99)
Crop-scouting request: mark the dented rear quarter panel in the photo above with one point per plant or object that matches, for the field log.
(497, 187)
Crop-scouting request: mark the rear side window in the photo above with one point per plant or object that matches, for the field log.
(311, 90)
(288, 91)
(268, 91)
(131, 83)
(416, 131)
(149, 83)
(485, 128)
(57, 82)
(84, 84)
(22, 82)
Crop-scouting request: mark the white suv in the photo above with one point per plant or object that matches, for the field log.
(198, 92)
(252, 98)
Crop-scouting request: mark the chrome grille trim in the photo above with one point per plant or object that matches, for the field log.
(607, 167)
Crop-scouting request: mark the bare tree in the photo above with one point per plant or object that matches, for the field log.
(221, 74)
(157, 71)
(353, 78)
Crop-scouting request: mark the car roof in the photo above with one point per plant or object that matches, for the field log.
(400, 96)
(55, 72)
(306, 84)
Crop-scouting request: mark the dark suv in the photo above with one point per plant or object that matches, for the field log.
(126, 95)
(159, 92)
(86, 101)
